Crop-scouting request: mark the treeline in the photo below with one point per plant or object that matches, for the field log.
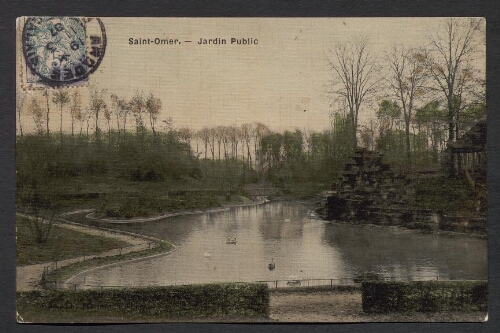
(112, 110)
(433, 89)
(427, 136)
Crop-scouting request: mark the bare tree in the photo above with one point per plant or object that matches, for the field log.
(37, 113)
(219, 137)
(355, 76)
(204, 135)
(185, 135)
(225, 140)
(234, 136)
(117, 110)
(125, 108)
(97, 104)
(41, 224)
(88, 117)
(246, 135)
(46, 94)
(107, 115)
(407, 81)
(75, 110)
(80, 117)
(137, 106)
(153, 108)
(260, 131)
(453, 50)
(62, 98)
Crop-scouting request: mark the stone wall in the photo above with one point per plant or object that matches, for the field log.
(369, 190)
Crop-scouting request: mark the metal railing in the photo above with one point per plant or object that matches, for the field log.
(323, 283)
(54, 266)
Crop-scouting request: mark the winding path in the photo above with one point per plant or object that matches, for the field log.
(28, 276)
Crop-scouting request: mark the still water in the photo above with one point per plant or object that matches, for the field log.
(300, 247)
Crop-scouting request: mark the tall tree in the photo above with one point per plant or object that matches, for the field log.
(153, 108)
(260, 131)
(186, 135)
(137, 106)
(37, 113)
(451, 65)
(97, 104)
(355, 77)
(115, 105)
(46, 94)
(246, 136)
(61, 98)
(389, 114)
(75, 110)
(431, 119)
(407, 81)
(211, 141)
(107, 115)
(204, 135)
(219, 137)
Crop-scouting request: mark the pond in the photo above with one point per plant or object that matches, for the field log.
(239, 245)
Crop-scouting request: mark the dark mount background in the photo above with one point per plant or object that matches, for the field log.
(258, 8)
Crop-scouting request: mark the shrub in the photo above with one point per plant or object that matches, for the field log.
(424, 296)
(204, 300)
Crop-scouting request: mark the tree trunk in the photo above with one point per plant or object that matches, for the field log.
(48, 110)
(408, 152)
(61, 125)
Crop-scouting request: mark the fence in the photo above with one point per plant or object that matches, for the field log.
(286, 284)
(348, 281)
(54, 266)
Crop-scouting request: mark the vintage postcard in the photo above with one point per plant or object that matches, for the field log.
(251, 170)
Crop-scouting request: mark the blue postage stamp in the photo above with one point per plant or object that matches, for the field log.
(61, 51)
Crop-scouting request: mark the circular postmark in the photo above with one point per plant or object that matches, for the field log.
(63, 50)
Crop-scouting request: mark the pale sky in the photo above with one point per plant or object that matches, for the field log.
(273, 82)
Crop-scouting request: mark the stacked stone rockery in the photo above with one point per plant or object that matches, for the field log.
(369, 190)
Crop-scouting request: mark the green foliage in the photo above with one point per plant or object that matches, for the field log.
(45, 165)
(206, 300)
(450, 196)
(424, 296)
(473, 113)
(306, 158)
(146, 203)
(389, 112)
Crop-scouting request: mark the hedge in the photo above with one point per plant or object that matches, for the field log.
(204, 300)
(424, 296)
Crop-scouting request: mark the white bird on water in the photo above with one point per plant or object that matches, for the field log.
(207, 254)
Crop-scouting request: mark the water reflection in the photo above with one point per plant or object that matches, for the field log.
(299, 247)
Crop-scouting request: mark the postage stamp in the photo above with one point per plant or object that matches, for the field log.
(61, 51)
(251, 170)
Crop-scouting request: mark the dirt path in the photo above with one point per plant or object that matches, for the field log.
(336, 306)
(28, 276)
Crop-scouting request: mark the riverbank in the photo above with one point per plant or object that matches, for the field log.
(92, 215)
(404, 229)
(28, 277)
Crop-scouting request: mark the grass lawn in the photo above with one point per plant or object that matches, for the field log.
(62, 244)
